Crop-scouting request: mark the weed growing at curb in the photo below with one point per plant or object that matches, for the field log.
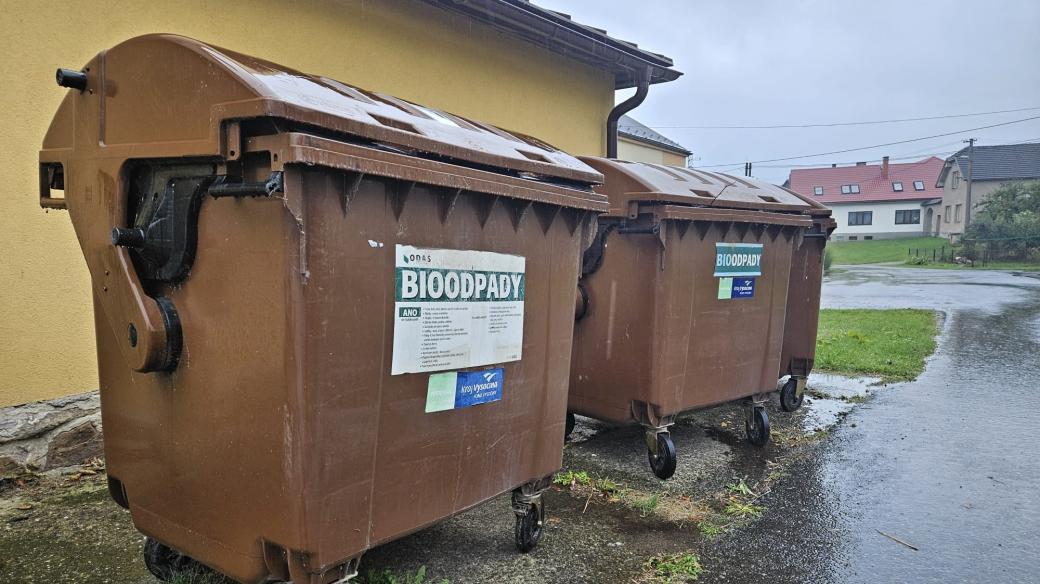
(609, 487)
(743, 510)
(572, 478)
(710, 530)
(740, 502)
(603, 489)
(740, 488)
(674, 568)
(647, 505)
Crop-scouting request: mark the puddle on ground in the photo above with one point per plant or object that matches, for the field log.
(830, 397)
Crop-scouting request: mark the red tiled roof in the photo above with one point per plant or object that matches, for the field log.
(872, 186)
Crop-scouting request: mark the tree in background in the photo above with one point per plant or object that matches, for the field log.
(1007, 224)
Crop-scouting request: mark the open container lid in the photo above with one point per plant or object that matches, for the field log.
(638, 182)
(177, 91)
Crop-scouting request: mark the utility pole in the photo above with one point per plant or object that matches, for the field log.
(967, 196)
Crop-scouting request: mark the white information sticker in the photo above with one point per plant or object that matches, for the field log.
(456, 308)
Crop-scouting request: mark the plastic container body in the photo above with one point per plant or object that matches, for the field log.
(803, 298)
(273, 404)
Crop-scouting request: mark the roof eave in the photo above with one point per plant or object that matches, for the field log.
(947, 164)
(864, 201)
(561, 35)
(661, 145)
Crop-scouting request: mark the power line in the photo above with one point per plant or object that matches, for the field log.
(850, 163)
(836, 124)
(943, 135)
(916, 154)
(907, 156)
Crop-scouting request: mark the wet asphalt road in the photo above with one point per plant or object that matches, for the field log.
(947, 463)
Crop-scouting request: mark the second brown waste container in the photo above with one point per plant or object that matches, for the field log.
(325, 317)
(683, 298)
(803, 306)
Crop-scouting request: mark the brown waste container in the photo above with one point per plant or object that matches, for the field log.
(325, 317)
(683, 298)
(803, 306)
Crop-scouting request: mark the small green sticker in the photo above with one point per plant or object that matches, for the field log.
(440, 392)
(725, 288)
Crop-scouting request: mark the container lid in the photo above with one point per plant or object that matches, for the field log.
(639, 182)
(171, 89)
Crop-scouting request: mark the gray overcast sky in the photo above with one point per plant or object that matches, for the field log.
(806, 61)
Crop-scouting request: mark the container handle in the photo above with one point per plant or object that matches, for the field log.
(52, 177)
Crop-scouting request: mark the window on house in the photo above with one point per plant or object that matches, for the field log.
(897, 187)
(853, 237)
(955, 180)
(946, 216)
(846, 189)
(817, 190)
(855, 189)
(861, 217)
(868, 237)
(957, 214)
(918, 185)
(908, 217)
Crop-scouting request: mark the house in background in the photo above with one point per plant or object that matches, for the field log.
(874, 201)
(639, 143)
(990, 168)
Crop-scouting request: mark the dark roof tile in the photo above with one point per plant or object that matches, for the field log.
(1001, 162)
(630, 128)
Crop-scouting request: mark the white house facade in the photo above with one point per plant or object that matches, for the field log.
(877, 220)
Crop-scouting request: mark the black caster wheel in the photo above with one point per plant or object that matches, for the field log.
(570, 426)
(789, 400)
(166, 563)
(757, 427)
(663, 463)
(529, 528)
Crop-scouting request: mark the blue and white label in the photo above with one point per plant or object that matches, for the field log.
(462, 389)
(738, 259)
(730, 288)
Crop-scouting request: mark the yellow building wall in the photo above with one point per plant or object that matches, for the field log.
(640, 152)
(401, 47)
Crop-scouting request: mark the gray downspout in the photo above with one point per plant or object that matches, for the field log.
(642, 88)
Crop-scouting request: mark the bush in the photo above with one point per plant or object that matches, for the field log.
(1008, 223)
(828, 259)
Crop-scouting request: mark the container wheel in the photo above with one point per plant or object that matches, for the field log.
(789, 398)
(663, 462)
(757, 426)
(529, 527)
(570, 426)
(166, 563)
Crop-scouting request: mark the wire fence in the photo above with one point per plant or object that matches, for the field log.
(979, 251)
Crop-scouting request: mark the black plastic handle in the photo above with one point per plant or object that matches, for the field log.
(71, 78)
